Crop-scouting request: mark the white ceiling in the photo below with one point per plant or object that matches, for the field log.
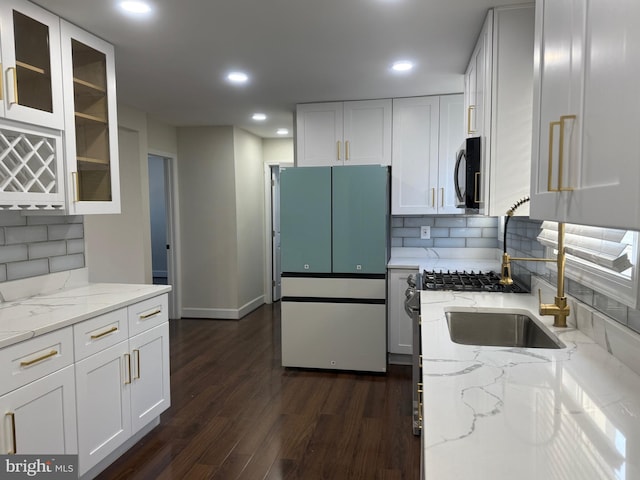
(173, 64)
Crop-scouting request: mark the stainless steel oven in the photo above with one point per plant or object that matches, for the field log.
(412, 307)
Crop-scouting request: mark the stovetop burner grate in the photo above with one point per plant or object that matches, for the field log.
(466, 281)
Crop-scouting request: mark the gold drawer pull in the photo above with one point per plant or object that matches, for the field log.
(28, 363)
(15, 86)
(147, 315)
(100, 335)
(136, 353)
(470, 109)
(338, 146)
(76, 184)
(127, 360)
(346, 150)
(14, 448)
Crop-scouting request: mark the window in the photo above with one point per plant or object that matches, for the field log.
(603, 259)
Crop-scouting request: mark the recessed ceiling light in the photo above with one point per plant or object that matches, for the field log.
(402, 66)
(282, 131)
(259, 116)
(238, 77)
(134, 6)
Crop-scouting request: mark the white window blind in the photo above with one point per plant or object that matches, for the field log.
(607, 248)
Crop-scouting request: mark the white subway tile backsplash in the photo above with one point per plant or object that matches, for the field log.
(465, 232)
(67, 262)
(13, 253)
(490, 233)
(31, 268)
(12, 218)
(75, 246)
(449, 242)
(418, 221)
(66, 232)
(482, 242)
(29, 234)
(38, 245)
(489, 222)
(47, 249)
(450, 222)
(418, 243)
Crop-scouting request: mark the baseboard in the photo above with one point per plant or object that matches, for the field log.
(223, 313)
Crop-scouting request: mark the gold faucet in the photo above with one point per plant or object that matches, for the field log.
(559, 309)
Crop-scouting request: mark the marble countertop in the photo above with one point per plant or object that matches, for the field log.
(23, 318)
(445, 258)
(531, 414)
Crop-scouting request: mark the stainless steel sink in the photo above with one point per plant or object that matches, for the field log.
(499, 329)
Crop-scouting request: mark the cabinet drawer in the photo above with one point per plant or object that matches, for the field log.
(147, 314)
(96, 334)
(27, 361)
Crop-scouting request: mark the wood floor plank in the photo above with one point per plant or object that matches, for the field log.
(236, 413)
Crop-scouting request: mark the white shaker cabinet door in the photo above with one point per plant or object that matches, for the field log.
(319, 135)
(104, 405)
(40, 418)
(150, 392)
(367, 132)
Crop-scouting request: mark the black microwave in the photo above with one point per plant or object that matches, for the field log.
(467, 179)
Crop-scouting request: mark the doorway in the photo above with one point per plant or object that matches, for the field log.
(163, 229)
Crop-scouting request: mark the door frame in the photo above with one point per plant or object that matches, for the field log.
(174, 267)
(268, 223)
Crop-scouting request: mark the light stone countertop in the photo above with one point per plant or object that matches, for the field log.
(531, 414)
(24, 318)
(468, 259)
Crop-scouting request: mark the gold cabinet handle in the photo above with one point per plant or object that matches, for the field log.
(147, 315)
(470, 109)
(476, 193)
(136, 353)
(12, 423)
(28, 363)
(339, 147)
(433, 197)
(127, 369)
(76, 189)
(550, 188)
(15, 86)
(100, 335)
(346, 150)
(442, 195)
(563, 119)
(552, 125)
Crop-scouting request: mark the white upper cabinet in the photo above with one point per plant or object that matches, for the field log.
(585, 165)
(427, 131)
(31, 68)
(343, 133)
(498, 101)
(91, 130)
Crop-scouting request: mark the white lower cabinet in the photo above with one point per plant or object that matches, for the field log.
(122, 388)
(399, 327)
(41, 416)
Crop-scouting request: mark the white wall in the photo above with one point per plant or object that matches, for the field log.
(118, 247)
(208, 222)
(249, 178)
(277, 150)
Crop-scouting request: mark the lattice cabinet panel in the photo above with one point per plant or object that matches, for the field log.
(31, 170)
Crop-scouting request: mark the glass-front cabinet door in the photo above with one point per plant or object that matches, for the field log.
(31, 65)
(90, 120)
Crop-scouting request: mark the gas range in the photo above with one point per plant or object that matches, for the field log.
(467, 282)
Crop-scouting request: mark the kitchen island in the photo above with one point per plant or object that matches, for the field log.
(527, 413)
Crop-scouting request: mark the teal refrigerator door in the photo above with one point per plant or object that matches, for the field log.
(305, 219)
(360, 212)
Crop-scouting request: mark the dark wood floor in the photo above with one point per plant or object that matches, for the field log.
(238, 414)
